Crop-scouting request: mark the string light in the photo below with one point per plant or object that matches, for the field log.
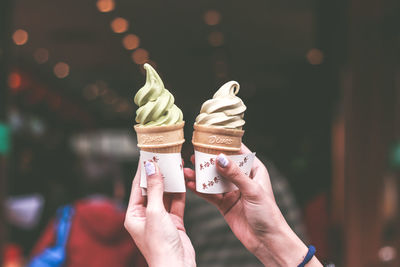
(61, 70)
(216, 39)
(105, 5)
(119, 25)
(212, 17)
(315, 56)
(41, 55)
(131, 41)
(20, 37)
(140, 56)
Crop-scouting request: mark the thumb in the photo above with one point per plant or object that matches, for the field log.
(155, 186)
(230, 171)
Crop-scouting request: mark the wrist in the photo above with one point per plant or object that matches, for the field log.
(165, 263)
(281, 248)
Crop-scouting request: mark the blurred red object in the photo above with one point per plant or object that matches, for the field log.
(14, 81)
(97, 237)
(12, 256)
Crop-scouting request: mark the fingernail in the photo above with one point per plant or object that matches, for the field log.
(222, 160)
(150, 168)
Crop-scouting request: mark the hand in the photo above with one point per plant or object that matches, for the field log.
(253, 215)
(155, 222)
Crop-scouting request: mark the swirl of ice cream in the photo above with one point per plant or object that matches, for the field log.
(225, 109)
(156, 104)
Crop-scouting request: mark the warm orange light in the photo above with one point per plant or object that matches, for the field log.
(105, 5)
(212, 17)
(61, 70)
(216, 39)
(41, 55)
(122, 106)
(20, 37)
(14, 80)
(119, 25)
(315, 56)
(91, 91)
(131, 41)
(140, 56)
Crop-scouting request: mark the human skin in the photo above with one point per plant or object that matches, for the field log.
(253, 215)
(155, 222)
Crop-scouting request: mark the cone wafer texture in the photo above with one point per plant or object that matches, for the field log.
(215, 140)
(160, 139)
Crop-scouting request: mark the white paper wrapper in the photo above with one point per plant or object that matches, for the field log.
(171, 168)
(209, 181)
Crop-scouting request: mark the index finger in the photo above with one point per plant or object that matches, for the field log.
(244, 149)
(178, 204)
(136, 197)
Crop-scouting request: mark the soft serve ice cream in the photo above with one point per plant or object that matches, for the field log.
(156, 104)
(224, 110)
(218, 129)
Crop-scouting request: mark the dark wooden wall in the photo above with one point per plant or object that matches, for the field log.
(369, 101)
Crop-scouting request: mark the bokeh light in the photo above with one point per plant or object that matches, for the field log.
(14, 80)
(110, 98)
(387, 253)
(41, 55)
(119, 25)
(91, 92)
(122, 106)
(105, 5)
(61, 70)
(315, 56)
(216, 39)
(212, 17)
(140, 56)
(20, 37)
(131, 41)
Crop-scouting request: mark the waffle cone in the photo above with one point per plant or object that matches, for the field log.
(160, 139)
(215, 140)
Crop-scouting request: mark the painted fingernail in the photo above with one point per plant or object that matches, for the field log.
(222, 160)
(150, 168)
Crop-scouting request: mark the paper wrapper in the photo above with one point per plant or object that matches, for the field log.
(162, 145)
(171, 168)
(207, 178)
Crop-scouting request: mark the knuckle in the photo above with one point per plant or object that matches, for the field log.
(126, 224)
(234, 172)
(153, 211)
(155, 182)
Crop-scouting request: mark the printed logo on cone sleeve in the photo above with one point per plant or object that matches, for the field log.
(148, 139)
(213, 139)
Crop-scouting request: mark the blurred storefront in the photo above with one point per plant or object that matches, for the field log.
(321, 81)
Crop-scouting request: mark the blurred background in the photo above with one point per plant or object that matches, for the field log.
(321, 81)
